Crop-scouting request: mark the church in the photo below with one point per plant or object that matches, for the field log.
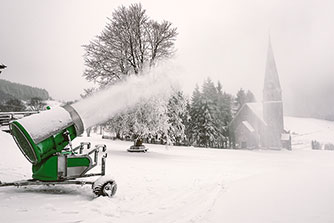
(261, 125)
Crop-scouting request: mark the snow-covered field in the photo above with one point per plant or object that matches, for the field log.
(182, 184)
(304, 130)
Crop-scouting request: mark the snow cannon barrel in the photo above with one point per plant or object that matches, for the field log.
(41, 135)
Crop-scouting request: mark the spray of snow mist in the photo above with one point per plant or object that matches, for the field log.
(103, 105)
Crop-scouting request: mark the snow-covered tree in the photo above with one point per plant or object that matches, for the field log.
(145, 120)
(117, 125)
(129, 42)
(223, 116)
(244, 97)
(36, 104)
(210, 112)
(207, 128)
(88, 92)
(150, 119)
(12, 105)
(186, 120)
(176, 112)
(250, 97)
(194, 112)
(241, 98)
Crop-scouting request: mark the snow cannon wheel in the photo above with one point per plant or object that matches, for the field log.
(105, 186)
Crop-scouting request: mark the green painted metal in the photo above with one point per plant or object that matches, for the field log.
(47, 170)
(47, 150)
(41, 155)
(36, 153)
(77, 161)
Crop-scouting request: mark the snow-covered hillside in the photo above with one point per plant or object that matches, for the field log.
(304, 130)
(53, 103)
(183, 184)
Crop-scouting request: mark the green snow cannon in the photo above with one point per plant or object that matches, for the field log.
(42, 135)
(45, 139)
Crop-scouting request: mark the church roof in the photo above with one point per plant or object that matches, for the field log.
(271, 78)
(248, 126)
(257, 109)
(254, 109)
(271, 73)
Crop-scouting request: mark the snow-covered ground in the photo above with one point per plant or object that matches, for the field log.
(183, 184)
(304, 130)
(53, 103)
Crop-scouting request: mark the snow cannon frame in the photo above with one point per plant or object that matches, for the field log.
(49, 149)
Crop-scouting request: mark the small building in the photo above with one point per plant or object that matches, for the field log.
(261, 124)
(2, 66)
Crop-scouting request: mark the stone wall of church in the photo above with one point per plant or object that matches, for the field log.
(273, 116)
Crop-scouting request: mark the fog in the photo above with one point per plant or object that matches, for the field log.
(41, 42)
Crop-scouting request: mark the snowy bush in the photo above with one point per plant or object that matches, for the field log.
(329, 146)
(316, 145)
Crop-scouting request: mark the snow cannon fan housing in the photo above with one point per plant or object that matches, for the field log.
(42, 135)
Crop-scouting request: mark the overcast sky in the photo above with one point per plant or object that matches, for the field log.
(41, 40)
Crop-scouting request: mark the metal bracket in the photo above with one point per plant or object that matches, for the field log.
(67, 137)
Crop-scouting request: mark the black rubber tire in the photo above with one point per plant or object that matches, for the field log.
(105, 188)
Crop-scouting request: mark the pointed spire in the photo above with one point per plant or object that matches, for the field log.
(272, 86)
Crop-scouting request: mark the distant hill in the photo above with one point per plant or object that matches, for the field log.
(9, 90)
(304, 130)
(5, 97)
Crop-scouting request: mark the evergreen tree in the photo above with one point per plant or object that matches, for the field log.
(243, 98)
(186, 119)
(207, 126)
(209, 92)
(224, 116)
(195, 113)
(12, 105)
(240, 99)
(22, 92)
(250, 97)
(176, 110)
(210, 113)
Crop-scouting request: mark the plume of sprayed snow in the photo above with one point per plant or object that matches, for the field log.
(105, 104)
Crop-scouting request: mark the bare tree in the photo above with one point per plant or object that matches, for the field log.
(88, 92)
(36, 104)
(129, 42)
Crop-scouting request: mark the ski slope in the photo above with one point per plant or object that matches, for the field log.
(304, 130)
(185, 184)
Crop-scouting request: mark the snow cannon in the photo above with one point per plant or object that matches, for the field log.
(45, 139)
(41, 136)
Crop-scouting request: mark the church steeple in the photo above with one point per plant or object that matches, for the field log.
(272, 87)
(272, 102)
